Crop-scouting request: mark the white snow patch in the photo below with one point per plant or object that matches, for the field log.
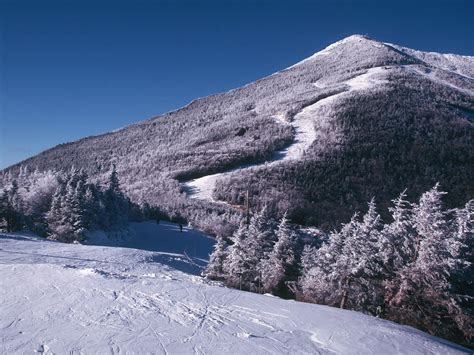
(368, 80)
(243, 335)
(86, 272)
(203, 187)
(329, 48)
(151, 275)
(281, 118)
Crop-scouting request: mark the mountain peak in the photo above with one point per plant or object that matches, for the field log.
(350, 39)
(357, 36)
(353, 44)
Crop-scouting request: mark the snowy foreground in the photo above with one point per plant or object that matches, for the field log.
(82, 299)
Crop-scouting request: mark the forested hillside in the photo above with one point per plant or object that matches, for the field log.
(306, 146)
(412, 129)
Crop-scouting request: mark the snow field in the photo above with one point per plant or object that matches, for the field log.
(83, 299)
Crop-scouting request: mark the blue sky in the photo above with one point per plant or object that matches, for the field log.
(70, 69)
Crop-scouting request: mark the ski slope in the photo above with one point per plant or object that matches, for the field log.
(90, 299)
(304, 133)
(311, 120)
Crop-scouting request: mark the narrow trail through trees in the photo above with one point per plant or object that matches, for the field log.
(305, 134)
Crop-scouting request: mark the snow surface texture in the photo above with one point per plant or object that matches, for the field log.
(305, 134)
(187, 251)
(82, 299)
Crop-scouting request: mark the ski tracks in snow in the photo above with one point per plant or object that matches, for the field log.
(130, 305)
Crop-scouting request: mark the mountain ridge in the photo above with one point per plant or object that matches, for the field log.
(203, 137)
(392, 46)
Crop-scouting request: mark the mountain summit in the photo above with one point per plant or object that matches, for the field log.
(358, 119)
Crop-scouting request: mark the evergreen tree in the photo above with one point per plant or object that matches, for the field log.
(397, 246)
(308, 258)
(261, 232)
(431, 226)
(113, 182)
(62, 205)
(93, 206)
(462, 271)
(115, 203)
(66, 218)
(321, 281)
(239, 265)
(54, 215)
(215, 268)
(365, 268)
(14, 208)
(4, 210)
(279, 266)
(260, 241)
(349, 271)
(416, 270)
(424, 296)
(462, 246)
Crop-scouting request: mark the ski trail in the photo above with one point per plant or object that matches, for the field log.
(430, 74)
(305, 134)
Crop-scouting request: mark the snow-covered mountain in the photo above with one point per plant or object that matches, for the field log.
(84, 299)
(361, 118)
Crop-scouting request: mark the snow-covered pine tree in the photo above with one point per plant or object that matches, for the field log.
(397, 243)
(261, 231)
(308, 258)
(4, 210)
(37, 197)
(397, 247)
(15, 208)
(54, 215)
(424, 295)
(260, 241)
(321, 279)
(421, 265)
(365, 269)
(349, 270)
(66, 217)
(72, 215)
(239, 266)
(462, 270)
(462, 244)
(215, 267)
(279, 266)
(431, 226)
(93, 207)
(115, 203)
(80, 221)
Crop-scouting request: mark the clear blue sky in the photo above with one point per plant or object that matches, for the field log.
(70, 69)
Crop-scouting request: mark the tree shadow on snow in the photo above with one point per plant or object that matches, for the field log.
(178, 262)
(187, 250)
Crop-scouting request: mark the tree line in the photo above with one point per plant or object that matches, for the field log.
(417, 269)
(65, 205)
(370, 146)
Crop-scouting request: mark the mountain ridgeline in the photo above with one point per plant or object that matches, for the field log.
(393, 118)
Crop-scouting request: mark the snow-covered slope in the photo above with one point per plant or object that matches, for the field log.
(327, 126)
(83, 299)
(305, 134)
